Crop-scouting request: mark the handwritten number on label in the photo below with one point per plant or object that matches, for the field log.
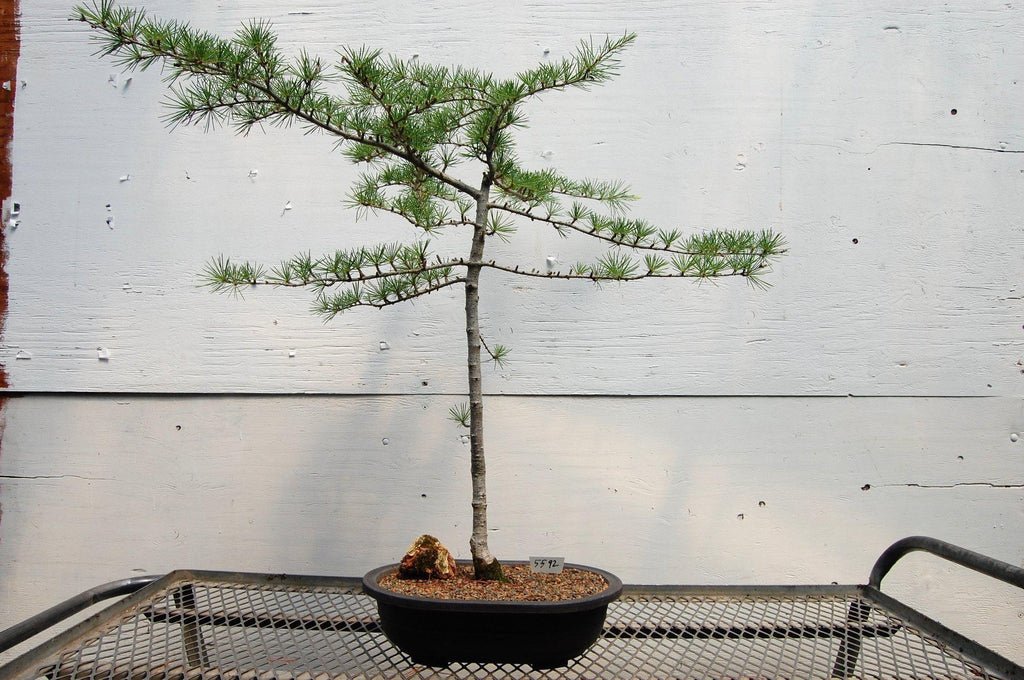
(547, 565)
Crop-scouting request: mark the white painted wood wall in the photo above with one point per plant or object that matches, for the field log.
(668, 431)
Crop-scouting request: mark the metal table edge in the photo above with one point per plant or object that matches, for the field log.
(88, 626)
(29, 660)
(974, 651)
(991, 661)
(695, 590)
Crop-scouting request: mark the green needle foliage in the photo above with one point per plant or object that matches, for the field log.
(411, 127)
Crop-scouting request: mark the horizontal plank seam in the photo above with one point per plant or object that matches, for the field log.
(15, 394)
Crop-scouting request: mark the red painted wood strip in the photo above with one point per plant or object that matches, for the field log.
(10, 46)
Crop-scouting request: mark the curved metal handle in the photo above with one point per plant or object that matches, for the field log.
(20, 632)
(966, 558)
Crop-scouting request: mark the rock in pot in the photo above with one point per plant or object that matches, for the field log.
(427, 559)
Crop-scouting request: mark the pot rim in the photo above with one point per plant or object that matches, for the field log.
(372, 588)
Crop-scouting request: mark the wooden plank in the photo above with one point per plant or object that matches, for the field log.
(657, 490)
(837, 128)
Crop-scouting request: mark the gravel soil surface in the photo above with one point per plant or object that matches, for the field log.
(523, 585)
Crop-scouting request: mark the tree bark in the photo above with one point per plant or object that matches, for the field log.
(485, 566)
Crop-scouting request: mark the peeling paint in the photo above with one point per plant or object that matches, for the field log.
(114, 79)
(10, 47)
(12, 213)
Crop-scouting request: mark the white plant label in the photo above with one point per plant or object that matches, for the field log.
(547, 565)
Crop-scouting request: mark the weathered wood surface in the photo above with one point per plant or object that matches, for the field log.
(836, 126)
(657, 490)
(904, 276)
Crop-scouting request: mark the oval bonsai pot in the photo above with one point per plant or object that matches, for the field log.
(435, 632)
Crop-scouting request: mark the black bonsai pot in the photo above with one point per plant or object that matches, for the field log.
(436, 632)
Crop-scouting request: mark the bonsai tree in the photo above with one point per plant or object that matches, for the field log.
(418, 130)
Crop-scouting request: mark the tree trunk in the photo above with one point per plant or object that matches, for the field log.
(485, 566)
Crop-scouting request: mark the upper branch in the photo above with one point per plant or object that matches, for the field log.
(591, 64)
(245, 79)
(403, 189)
(545, 187)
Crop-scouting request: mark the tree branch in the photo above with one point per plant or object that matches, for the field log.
(329, 307)
(598, 277)
(140, 42)
(764, 244)
(588, 66)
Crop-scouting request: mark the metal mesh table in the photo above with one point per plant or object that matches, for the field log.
(249, 626)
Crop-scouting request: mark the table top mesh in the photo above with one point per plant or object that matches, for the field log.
(281, 630)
